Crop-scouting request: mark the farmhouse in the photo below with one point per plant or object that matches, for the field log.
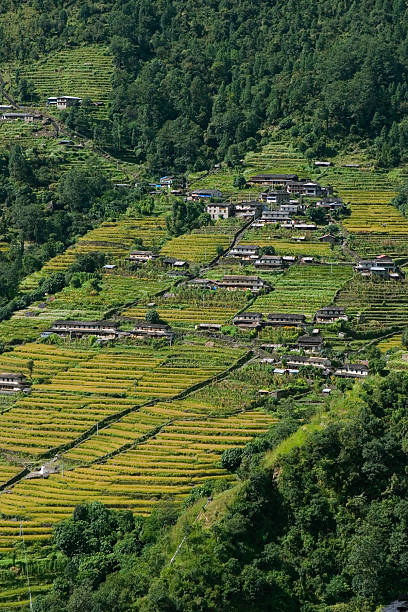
(243, 283)
(278, 196)
(311, 344)
(330, 314)
(269, 262)
(275, 216)
(220, 210)
(76, 329)
(248, 320)
(244, 251)
(328, 238)
(285, 319)
(174, 262)
(304, 226)
(330, 203)
(294, 209)
(64, 102)
(211, 327)
(323, 164)
(303, 360)
(206, 194)
(26, 117)
(352, 370)
(308, 188)
(13, 383)
(274, 180)
(176, 182)
(381, 267)
(201, 283)
(248, 209)
(142, 256)
(143, 329)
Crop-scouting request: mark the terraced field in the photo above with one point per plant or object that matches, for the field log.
(185, 308)
(83, 71)
(381, 303)
(283, 243)
(201, 246)
(304, 289)
(114, 238)
(183, 453)
(75, 389)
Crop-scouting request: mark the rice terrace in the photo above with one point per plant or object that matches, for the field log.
(203, 306)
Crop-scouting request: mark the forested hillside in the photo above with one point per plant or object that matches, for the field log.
(194, 83)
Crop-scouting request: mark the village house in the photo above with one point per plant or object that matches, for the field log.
(210, 327)
(381, 267)
(310, 344)
(142, 256)
(201, 283)
(172, 182)
(244, 283)
(275, 216)
(330, 204)
(274, 180)
(244, 251)
(330, 314)
(11, 383)
(292, 208)
(64, 102)
(278, 196)
(302, 360)
(323, 164)
(143, 329)
(206, 194)
(303, 226)
(329, 238)
(308, 188)
(26, 117)
(352, 370)
(174, 262)
(107, 330)
(283, 371)
(269, 262)
(220, 210)
(285, 319)
(248, 320)
(246, 210)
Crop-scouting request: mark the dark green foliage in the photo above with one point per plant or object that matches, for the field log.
(88, 262)
(152, 316)
(185, 216)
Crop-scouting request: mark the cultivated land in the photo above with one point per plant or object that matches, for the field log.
(134, 422)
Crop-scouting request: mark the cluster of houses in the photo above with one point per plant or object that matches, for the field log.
(108, 330)
(382, 267)
(292, 362)
(251, 253)
(143, 257)
(292, 184)
(256, 320)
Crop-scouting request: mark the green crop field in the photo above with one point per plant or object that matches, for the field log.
(304, 289)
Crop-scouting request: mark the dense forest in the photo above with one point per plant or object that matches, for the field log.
(322, 528)
(197, 83)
